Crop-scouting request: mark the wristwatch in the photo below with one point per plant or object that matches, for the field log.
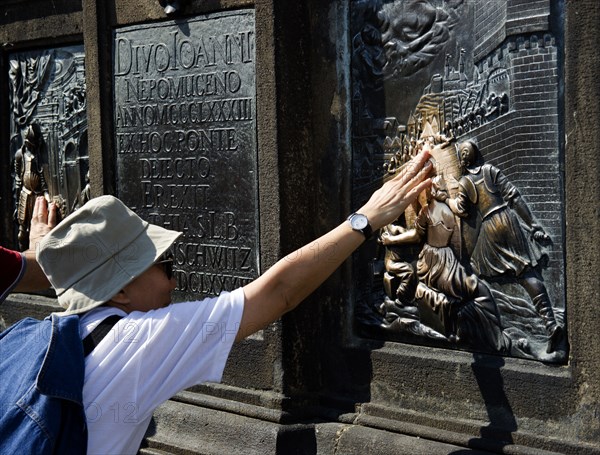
(360, 223)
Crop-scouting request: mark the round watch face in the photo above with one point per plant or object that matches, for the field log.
(359, 222)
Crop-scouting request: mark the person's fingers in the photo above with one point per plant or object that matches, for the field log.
(411, 168)
(414, 192)
(43, 211)
(39, 220)
(404, 185)
(37, 207)
(421, 176)
(52, 215)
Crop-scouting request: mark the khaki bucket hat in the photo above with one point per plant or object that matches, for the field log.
(94, 252)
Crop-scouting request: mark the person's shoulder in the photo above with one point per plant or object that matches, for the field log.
(101, 312)
(89, 320)
(226, 305)
(224, 299)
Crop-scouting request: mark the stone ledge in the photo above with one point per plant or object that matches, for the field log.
(181, 428)
(185, 428)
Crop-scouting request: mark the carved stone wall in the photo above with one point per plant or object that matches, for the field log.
(318, 381)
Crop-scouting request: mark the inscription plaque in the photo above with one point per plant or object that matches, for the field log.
(185, 137)
(476, 264)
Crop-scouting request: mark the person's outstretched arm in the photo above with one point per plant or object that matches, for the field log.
(296, 276)
(43, 219)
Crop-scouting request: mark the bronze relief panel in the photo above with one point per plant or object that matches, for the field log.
(48, 131)
(477, 262)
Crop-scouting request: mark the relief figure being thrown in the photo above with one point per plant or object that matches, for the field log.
(463, 303)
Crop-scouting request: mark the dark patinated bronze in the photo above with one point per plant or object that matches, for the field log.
(477, 263)
(185, 136)
(48, 131)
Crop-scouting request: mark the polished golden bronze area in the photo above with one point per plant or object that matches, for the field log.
(483, 233)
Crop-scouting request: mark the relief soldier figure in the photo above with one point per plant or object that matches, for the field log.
(503, 249)
(29, 181)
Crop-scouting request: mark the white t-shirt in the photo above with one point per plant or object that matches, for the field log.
(149, 357)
